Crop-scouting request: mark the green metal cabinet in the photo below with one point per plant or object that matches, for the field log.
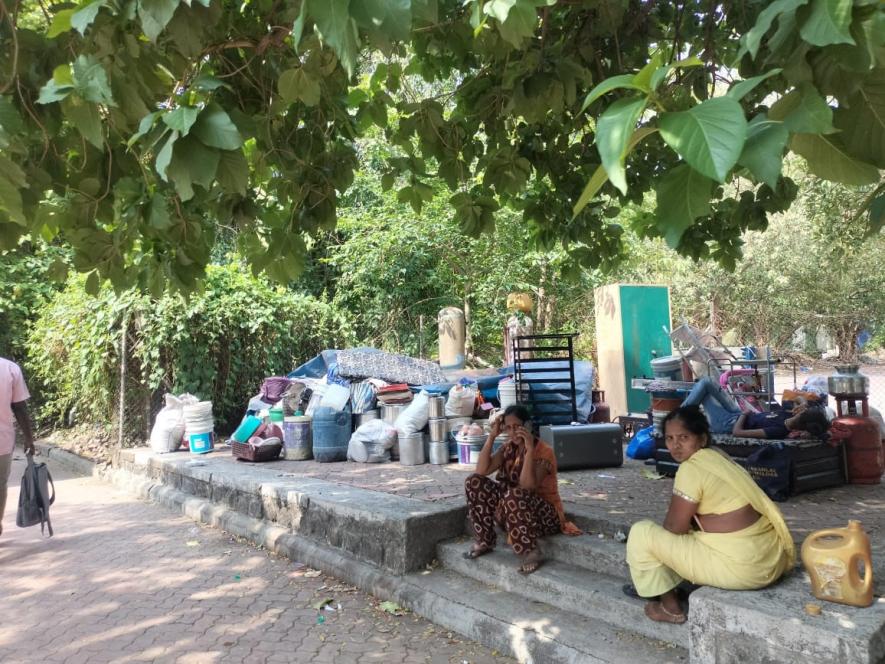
(632, 323)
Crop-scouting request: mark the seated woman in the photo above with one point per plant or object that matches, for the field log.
(524, 501)
(742, 542)
(726, 417)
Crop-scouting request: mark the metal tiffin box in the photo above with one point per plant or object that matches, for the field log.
(578, 446)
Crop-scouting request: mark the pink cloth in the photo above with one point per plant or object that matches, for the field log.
(12, 390)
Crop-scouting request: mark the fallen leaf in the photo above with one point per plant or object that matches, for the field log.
(392, 608)
(650, 474)
(312, 574)
(193, 543)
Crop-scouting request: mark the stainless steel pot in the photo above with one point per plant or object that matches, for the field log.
(438, 429)
(411, 449)
(361, 418)
(439, 453)
(848, 380)
(437, 407)
(390, 411)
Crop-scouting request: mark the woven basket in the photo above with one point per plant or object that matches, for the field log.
(247, 452)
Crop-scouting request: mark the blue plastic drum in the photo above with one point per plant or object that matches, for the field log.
(331, 434)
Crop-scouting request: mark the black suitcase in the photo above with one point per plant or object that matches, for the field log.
(578, 446)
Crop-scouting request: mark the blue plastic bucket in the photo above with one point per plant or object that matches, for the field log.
(201, 443)
(331, 434)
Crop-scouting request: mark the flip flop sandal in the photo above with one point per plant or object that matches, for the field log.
(673, 618)
(630, 591)
(476, 552)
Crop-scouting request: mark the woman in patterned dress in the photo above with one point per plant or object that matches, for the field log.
(524, 497)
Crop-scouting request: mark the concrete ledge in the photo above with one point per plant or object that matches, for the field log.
(770, 625)
(73, 462)
(396, 533)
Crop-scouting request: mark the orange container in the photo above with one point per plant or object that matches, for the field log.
(863, 449)
(831, 558)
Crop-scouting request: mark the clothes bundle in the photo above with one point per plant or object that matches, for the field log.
(391, 367)
(394, 394)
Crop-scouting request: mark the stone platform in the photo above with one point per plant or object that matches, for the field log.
(399, 531)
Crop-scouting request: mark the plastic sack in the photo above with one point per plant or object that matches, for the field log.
(335, 397)
(371, 442)
(415, 416)
(168, 429)
(642, 445)
(461, 401)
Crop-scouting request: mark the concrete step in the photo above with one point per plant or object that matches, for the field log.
(568, 587)
(590, 552)
(534, 632)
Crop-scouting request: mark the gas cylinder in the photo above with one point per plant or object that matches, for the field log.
(863, 449)
(831, 559)
(452, 336)
(601, 411)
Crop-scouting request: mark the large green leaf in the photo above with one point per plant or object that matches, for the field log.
(91, 80)
(742, 88)
(11, 201)
(192, 163)
(215, 129)
(709, 136)
(83, 17)
(85, 117)
(337, 29)
(613, 131)
(392, 17)
(522, 21)
(298, 26)
(297, 84)
(233, 172)
(827, 158)
(594, 184)
(61, 23)
(643, 78)
(803, 111)
(609, 84)
(683, 195)
(763, 152)
(154, 15)
(862, 120)
(753, 39)
(158, 213)
(181, 119)
(164, 156)
(828, 23)
(52, 92)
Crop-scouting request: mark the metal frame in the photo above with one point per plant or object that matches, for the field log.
(531, 350)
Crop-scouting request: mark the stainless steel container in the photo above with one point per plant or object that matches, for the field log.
(437, 406)
(439, 453)
(411, 449)
(438, 429)
(361, 418)
(848, 380)
(390, 411)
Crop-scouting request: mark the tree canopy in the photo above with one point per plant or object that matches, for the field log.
(136, 129)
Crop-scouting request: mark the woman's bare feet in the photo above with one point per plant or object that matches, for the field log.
(530, 562)
(478, 550)
(667, 609)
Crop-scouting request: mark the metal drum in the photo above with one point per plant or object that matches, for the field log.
(437, 406)
(438, 429)
(411, 449)
(390, 411)
(361, 418)
(439, 453)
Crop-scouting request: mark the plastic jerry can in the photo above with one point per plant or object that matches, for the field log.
(831, 559)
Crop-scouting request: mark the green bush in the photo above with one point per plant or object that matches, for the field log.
(219, 344)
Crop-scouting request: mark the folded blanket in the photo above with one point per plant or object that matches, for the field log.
(391, 367)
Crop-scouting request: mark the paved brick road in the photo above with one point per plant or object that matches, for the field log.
(125, 581)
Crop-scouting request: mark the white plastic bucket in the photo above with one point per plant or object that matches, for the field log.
(507, 393)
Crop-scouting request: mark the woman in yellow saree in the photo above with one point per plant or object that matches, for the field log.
(741, 541)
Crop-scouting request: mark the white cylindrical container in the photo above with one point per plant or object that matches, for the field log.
(390, 411)
(411, 449)
(452, 337)
(507, 393)
(439, 453)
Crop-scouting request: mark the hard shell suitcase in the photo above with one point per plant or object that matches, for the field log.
(578, 446)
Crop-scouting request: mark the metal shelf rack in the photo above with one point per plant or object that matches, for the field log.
(544, 371)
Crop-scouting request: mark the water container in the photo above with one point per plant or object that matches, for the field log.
(331, 434)
(438, 453)
(507, 393)
(202, 442)
(438, 428)
(863, 450)
(452, 337)
(831, 558)
(437, 406)
(297, 444)
(668, 368)
(411, 449)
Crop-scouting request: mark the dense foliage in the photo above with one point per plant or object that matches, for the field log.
(137, 129)
(219, 344)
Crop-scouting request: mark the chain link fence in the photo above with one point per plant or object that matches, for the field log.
(136, 404)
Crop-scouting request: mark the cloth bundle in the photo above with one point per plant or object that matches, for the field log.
(394, 394)
(391, 367)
